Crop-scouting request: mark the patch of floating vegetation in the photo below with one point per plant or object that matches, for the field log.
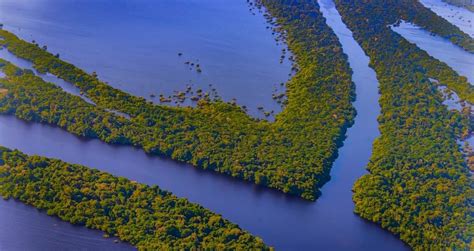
(193, 64)
(190, 96)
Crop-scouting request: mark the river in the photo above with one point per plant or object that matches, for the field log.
(284, 222)
(134, 45)
(440, 48)
(459, 16)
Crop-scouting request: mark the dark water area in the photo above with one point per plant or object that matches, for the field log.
(134, 45)
(25, 228)
(287, 223)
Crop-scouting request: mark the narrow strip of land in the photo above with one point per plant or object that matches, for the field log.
(147, 217)
(419, 186)
(294, 154)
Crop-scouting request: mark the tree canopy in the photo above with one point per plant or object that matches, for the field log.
(293, 154)
(419, 186)
(147, 217)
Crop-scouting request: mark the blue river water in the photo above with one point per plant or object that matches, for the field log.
(440, 48)
(134, 45)
(459, 16)
(243, 53)
(284, 222)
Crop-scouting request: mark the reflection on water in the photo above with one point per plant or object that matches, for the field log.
(442, 49)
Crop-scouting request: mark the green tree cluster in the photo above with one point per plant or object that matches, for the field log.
(294, 154)
(415, 12)
(147, 217)
(419, 186)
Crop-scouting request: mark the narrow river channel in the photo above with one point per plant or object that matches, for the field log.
(284, 222)
(440, 48)
(459, 16)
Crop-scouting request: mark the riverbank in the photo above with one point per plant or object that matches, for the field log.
(284, 222)
(147, 217)
(468, 4)
(142, 47)
(416, 168)
(224, 138)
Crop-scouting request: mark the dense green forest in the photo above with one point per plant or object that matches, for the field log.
(419, 186)
(293, 154)
(147, 217)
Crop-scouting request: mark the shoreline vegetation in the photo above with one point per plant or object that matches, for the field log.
(468, 4)
(419, 186)
(146, 217)
(294, 154)
(415, 12)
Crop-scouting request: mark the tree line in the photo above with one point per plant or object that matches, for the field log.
(418, 185)
(294, 154)
(145, 216)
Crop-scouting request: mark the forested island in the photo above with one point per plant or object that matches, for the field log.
(419, 186)
(294, 154)
(147, 217)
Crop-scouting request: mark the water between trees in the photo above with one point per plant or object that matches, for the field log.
(459, 16)
(284, 222)
(440, 48)
(142, 47)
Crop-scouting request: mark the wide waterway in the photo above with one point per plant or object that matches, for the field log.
(134, 45)
(284, 222)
